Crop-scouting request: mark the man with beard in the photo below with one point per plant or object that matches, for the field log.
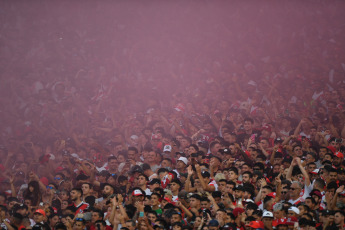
(338, 159)
(76, 197)
(107, 191)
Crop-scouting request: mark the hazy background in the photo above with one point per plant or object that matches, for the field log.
(135, 54)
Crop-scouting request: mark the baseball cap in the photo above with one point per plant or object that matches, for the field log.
(267, 214)
(167, 148)
(339, 155)
(282, 222)
(205, 174)
(294, 209)
(256, 224)
(316, 193)
(213, 223)
(267, 128)
(40, 211)
(154, 181)
(137, 192)
(331, 148)
(184, 160)
(237, 211)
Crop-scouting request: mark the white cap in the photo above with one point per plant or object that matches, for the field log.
(267, 214)
(184, 160)
(167, 148)
(294, 209)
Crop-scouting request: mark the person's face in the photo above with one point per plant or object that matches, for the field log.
(282, 227)
(64, 204)
(165, 164)
(333, 176)
(291, 213)
(152, 217)
(180, 165)
(311, 167)
(215, 148)
(78, 225)
(54, 220)
(295, 190)
(174, 187)
(154, 200)
(107, 190)
(86, 189)
(222, 185)
(152, 156)
(232, 176)
(230, 188)
(298, 151)
(301, 210)
(194, 202)
(74, 195)
(141, 181)
(267, 222)
(197, 222)
(328, 158)
(26, 202)
(276, 169)
(131, 155)
(38, 218)
(309, 203)
(337, 161)
(238, 194)
(322, 153)
(220, 215)
(94, 217)
(247, 126)
(175, 218)
(245, 168)
(205, 204)
(113, 164)
(63, 195)
(57, 179)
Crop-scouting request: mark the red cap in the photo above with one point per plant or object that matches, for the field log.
(282, 222)
(137, 192)
(331, 148)
(272, 194)
(267, 128)
(237, 211)
(44, 180)
(256, 224)
(40, 211)
(339, 155)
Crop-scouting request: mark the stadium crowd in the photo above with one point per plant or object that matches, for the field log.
(252, 140)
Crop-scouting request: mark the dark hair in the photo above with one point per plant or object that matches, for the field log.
(35, 195)
(233, 169)
(78, 190)
(133, 149)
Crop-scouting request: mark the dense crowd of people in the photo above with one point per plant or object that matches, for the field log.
(209, 137)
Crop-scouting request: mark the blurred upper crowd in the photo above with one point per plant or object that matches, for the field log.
(183, 119)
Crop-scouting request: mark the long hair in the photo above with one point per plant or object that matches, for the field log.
(35, 195)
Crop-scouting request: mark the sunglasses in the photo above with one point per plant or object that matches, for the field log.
(57, 178)
(50, 187)
(79, 219)
(284, 192)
